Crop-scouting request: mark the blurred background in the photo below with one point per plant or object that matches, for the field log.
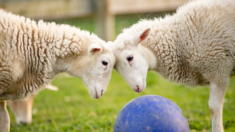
(71, 108)
(103, 17)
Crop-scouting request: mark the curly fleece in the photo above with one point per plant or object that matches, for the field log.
(30, 52)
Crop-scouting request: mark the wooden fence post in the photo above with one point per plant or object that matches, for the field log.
(104, 20)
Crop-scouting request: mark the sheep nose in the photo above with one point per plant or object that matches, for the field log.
(102, 92)
(137, 89)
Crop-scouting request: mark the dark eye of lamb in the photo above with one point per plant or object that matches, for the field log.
(105, 63)
(130, 58)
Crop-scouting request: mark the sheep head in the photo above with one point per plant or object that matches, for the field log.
(94, 67)
(131, 59)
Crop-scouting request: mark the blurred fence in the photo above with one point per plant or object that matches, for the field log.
(103, 11)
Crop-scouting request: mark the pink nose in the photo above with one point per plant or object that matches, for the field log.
(137, 89)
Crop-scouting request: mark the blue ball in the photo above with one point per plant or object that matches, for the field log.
(150, 113)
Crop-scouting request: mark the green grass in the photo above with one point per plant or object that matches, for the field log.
(72, 109)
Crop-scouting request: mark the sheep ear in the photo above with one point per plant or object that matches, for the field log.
(140, 37)
(110, 44)
(94, 48)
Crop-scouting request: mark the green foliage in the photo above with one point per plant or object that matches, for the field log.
(71, 109)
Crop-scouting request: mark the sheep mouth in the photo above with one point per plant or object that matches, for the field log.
(96, 94)
(139, 88)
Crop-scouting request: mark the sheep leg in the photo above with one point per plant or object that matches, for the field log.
(4, 118)
(22, 109)
(216, 99)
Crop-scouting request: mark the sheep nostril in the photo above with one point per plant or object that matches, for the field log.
(137, 88)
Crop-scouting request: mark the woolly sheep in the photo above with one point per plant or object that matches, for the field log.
(194, 46)
(22, 108)
(31, 54)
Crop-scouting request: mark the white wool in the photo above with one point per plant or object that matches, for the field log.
(32, 53)
(186, 44)
(194, 46)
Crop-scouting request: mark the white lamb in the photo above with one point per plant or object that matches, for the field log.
(31, 54)
(195, 46)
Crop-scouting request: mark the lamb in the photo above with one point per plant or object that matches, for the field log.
(32, 53)
(194, 46)
(22, 108)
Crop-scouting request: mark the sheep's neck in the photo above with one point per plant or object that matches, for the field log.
(61, 45)
(163, 44)
(149, 56)
(46, 53)
(171, 62)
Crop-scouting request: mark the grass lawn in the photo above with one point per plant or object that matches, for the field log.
(72, 108)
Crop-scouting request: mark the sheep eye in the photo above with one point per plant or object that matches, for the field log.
(130, 58)
(105, 63)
